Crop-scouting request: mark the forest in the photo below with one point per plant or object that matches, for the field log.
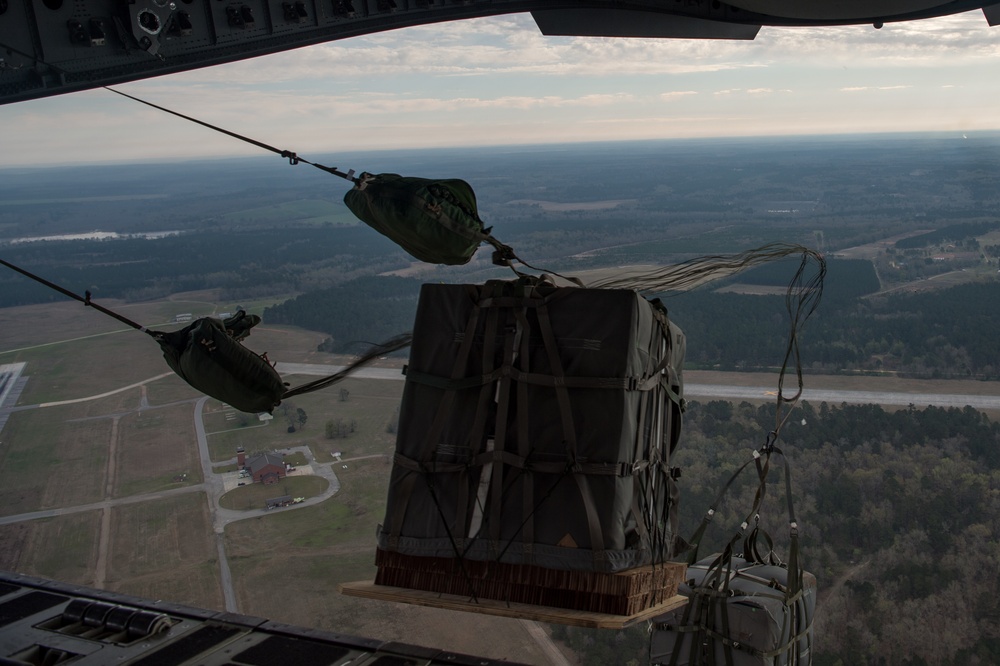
(899, 520)
(946, 333)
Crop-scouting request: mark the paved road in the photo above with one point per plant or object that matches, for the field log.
(837, 397)
(215, 488)
(720, 391)
(93, 506)
(322, 370)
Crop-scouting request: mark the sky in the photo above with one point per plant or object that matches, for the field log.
(499, 81)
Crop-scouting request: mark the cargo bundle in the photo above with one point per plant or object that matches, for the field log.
(741, 613)
(534, 439)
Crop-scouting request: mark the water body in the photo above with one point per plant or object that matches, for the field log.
(94, 235)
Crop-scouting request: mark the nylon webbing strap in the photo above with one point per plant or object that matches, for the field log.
(503, 406)
(523, 442)
(511, 459)
(405, 489)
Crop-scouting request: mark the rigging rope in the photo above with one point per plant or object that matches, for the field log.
(83, 299)
(801, 298)
(291, 156)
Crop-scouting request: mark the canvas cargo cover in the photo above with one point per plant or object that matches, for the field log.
(760, 626)
(536, 428)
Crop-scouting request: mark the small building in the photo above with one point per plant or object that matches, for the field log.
(267, 468)
(277, 502)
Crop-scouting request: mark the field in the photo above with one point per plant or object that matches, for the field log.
(63, 548)
(157, 450)
(48, 460)
(371, 404)
(304, 211)
(311, 550)
(166, 549)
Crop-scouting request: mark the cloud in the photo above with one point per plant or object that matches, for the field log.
(863, 88)
(947, 40)
(675, 95)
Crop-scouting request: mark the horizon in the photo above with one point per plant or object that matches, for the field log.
(499, 81)
(265, 156)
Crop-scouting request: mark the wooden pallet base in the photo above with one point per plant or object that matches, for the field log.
(573, 618)
(621, 593)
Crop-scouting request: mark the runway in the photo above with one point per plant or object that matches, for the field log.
(723, 391)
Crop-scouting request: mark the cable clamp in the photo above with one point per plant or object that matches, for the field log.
(293, 159)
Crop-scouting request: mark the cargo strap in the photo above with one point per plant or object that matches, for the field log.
(513, 460)
(537, 379)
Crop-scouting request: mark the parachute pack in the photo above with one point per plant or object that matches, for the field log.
(209, 356)
(434, 220)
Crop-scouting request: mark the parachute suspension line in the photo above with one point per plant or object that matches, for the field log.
(394, 344)
(83, 299)
(801, 298)
(699, 271)
(293, 159)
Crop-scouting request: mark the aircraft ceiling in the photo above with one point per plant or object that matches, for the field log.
(50, 47)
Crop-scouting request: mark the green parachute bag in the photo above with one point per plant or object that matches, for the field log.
(436, 221)
(207, 354)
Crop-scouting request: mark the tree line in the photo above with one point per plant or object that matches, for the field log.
(243, 263)
(899, 520)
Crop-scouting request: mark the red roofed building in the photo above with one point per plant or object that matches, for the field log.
(266, 468)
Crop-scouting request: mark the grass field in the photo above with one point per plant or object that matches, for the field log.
(166, 550)
(62, 548)
(255, 495)
(155, 447)
(371, 404)
(170, 389)
(311, 550)
(305, 211)
(47, 461)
